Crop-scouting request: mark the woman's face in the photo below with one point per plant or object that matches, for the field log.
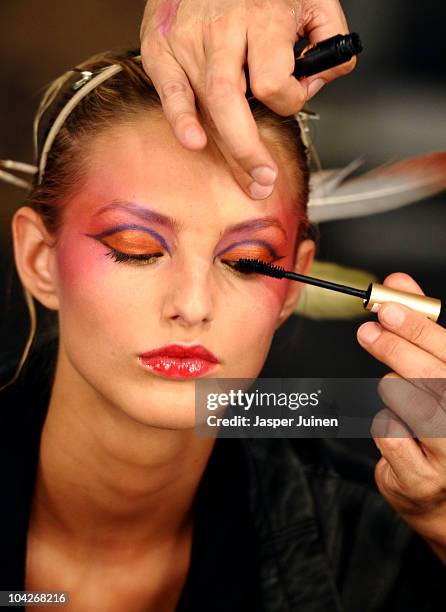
(186, 219)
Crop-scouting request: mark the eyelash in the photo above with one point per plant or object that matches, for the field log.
(143, 259)
(248, 272)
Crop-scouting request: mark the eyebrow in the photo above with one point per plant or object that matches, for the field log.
(147, 214)
(142, 212)
(257, 224)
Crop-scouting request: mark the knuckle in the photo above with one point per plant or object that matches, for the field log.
(181, 116)
(438, 387)
(380, 471)
(219, 92)
(437, 371)
(418, 331)
(391, 487)
(392, 349)
(387, 482)
(442, 350)
(173, 88)
(312, 13)
(426, 493)
(264, 88)
(396, 446)
(182, 38)
(151, 47)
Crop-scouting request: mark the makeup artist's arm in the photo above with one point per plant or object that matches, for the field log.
(411, 474)
(194, 52)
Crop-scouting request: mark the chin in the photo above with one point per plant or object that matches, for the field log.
(161, 404)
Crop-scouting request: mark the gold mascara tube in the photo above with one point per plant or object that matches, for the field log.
(372, 297)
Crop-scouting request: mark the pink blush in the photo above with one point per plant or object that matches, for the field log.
(81, 263)
(166, 13)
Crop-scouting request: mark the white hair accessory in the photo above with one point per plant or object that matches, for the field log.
(82, 87)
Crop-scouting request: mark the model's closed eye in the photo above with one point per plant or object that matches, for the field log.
(134, 245)
(252, 249)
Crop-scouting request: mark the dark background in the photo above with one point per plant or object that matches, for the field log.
(392, 106)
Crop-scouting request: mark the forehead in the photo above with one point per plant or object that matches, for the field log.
(143, 162)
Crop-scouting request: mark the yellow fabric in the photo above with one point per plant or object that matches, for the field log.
(318, 303)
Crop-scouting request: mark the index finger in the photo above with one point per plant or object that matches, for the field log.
(414, 327)
(417, 328)
(322, 20)
(228, 107)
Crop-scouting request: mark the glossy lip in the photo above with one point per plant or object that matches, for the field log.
(179, 361)
(196, 351)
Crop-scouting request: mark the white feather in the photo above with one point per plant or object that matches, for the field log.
(334, 196)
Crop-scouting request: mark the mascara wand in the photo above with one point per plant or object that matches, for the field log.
(372, 297)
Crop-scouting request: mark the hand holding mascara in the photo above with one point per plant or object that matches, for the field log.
(334, 51)
(372, 297)
(315, 58)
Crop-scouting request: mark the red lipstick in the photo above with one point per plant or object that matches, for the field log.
(179, 361)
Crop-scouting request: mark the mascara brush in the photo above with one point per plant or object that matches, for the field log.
(372, 297)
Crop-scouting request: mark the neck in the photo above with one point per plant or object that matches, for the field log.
(107, 481)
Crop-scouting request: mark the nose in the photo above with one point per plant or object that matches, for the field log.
(188, 300)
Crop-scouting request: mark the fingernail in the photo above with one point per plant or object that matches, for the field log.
(259, 192)
(392, 315)
(314, 87)
(369, 332)
(193, 135)
(264, 175)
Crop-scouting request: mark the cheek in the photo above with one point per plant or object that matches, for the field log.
(97, 300)
(251, 321)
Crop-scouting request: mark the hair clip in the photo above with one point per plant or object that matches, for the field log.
(303, 117)
(86, 76)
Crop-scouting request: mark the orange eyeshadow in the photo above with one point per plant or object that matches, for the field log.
(248, 252)
(133, 242)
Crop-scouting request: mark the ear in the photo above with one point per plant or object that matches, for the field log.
(304, 259)
(35, 256)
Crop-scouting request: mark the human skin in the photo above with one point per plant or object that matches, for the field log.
(411, 473)
(119, 460)
(194, 52)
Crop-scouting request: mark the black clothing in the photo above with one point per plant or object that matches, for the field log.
(281, 525)
(223, 574)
